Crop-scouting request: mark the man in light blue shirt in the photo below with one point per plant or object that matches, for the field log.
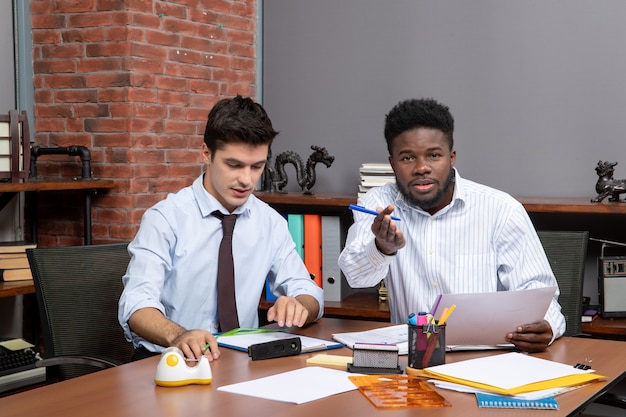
(454, 236)
(170, 288)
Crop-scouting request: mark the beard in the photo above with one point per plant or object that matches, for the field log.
(431, 203)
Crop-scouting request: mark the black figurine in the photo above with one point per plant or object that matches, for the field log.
(305, 175)
(606, 185)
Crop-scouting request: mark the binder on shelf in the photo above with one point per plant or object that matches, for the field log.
(335, 286)
(295, 222)
(313, 246)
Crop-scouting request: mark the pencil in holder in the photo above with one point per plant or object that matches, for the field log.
(427, 345)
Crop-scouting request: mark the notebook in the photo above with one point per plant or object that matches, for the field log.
(503, 401)
(481, 320)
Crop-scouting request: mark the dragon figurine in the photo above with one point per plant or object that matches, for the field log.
(305, 174)
(606, 186)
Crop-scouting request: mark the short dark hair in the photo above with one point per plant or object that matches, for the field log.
(238, 120)
(415, 113)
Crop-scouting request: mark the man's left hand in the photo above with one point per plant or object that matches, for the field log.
(287, 312)
(534, 337)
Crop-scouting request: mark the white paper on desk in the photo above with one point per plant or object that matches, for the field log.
(534, 395)
(299, 386)
(390, 335)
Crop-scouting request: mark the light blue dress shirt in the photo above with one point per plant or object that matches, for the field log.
(173, 265)
(483, 241)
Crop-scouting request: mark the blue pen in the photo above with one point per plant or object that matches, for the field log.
(364, 210)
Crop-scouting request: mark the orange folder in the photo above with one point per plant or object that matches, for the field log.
(313, 246)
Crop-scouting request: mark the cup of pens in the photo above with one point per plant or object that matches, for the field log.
(427, 345)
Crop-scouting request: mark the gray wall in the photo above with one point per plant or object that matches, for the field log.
(537, 88)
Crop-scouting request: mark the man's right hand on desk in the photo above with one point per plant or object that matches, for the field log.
(153, 326)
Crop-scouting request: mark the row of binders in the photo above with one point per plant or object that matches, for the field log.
(319, 240)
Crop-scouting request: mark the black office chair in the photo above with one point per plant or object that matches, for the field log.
(78, 288)
(567, 253)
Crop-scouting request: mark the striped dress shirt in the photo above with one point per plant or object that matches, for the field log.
(483, 241)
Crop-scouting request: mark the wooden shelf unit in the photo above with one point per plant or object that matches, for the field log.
(364, 304)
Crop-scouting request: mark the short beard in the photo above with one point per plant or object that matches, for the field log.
(433, 202)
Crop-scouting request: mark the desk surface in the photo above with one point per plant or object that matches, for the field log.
(129, 390)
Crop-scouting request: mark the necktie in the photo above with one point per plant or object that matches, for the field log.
(226, 303)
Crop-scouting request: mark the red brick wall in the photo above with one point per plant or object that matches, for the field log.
(132, 80)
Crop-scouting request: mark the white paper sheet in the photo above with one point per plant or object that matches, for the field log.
(299, 386)
(391, 335)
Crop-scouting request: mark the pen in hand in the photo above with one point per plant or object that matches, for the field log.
(364, 210)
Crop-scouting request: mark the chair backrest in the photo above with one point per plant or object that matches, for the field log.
(567, 251)
(78, 289)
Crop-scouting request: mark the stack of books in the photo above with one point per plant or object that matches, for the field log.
(14, 264)
(374, 175)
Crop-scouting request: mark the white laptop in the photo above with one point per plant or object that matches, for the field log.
(481, 320)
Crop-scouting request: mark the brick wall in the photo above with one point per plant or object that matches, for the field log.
(132, 80)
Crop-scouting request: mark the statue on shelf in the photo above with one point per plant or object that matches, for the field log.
(606, 185)
(305, 174)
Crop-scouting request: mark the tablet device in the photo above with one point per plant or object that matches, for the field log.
(481, 320)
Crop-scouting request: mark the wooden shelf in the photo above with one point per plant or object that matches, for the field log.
(54, 185)
(13, 288)
(317, 199)
(606, 328)
(576, 205)
(362, 305)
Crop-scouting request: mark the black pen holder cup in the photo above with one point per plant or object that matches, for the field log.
(427, 345)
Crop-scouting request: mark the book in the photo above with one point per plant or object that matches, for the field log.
(504, 401)
(18, 274)
(589, 315)
(14, 262)
(16, 247)
(295, 222)
(313, 246)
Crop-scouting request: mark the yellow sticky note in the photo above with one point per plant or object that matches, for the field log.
(16, 344)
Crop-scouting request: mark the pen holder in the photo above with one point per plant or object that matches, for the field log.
(427, 345)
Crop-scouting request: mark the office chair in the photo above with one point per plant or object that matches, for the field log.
(567, 252)
(77, 289)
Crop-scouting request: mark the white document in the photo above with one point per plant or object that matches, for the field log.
(391, 335)
(507, 370)
(534, 395)
(485, 318)
(299, 386)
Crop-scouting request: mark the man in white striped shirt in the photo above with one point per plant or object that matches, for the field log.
(455, 236)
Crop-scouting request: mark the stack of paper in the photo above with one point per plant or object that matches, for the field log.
(374, 175)
(511, 374)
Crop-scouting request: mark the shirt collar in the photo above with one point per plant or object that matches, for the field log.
(459, 197)
(208, 204)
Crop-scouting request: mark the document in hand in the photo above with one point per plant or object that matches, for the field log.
(511, 373)
(481, 320)
(241, 339)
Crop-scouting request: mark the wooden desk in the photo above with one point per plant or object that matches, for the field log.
(129, 390)
(606, 328)
(8, 191)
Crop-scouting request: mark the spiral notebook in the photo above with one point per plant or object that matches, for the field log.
(503, 401)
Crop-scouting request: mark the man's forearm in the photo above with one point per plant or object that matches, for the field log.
(153, 326)
(310, 303)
